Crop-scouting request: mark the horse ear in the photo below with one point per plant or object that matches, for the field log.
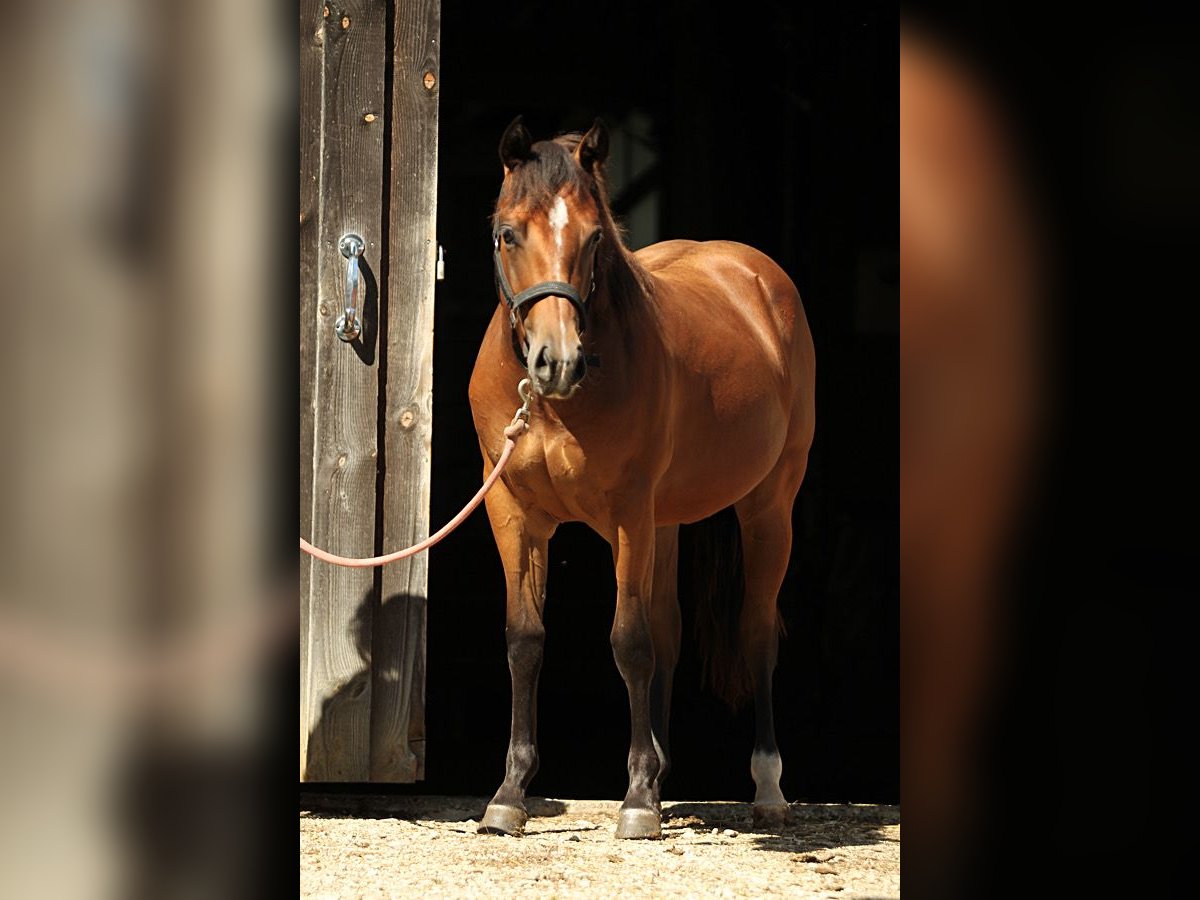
(515, 145)
(593, 149)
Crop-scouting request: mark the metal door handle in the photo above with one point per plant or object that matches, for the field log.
(348, 324)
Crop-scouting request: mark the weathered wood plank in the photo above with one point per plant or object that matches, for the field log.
(346, 398)
(398, 721)
(311, 58)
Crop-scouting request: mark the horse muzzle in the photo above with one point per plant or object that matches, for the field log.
(556, 373)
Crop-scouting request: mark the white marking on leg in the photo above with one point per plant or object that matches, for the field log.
(766, 769)
(558, 221)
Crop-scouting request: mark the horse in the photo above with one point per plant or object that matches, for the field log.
(668, 384)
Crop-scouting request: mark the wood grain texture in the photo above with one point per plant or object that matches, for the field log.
(398, 721)
(338, 674)
(311, 59)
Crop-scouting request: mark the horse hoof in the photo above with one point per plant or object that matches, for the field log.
(639, 823)
(503, 820)
(772, 816)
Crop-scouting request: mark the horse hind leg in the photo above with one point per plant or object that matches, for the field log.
(765, 517)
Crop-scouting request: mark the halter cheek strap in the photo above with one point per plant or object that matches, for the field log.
(534, 293)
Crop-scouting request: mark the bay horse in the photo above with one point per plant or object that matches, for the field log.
(702, 399)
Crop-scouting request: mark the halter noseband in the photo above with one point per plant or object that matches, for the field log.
(534, 293)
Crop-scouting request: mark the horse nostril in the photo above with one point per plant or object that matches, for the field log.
(543, 361)
(579, 369)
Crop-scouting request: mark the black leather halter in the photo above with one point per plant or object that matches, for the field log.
(534, 293)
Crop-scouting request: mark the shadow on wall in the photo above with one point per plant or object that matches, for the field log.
(368, 310)
(373, 695)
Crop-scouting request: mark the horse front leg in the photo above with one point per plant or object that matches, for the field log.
(665, 627)
(521, 537)
(633, 649)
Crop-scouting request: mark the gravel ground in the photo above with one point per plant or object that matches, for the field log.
(374, 846)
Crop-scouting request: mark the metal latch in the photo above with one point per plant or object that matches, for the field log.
(348, 324)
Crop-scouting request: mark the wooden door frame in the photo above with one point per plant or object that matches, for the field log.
(368, 164)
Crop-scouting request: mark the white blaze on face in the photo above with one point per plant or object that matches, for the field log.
(562, 345)
(558, 221)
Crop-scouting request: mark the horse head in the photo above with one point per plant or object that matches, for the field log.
(549, 223)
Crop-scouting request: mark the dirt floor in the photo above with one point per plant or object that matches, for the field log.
(373, 846)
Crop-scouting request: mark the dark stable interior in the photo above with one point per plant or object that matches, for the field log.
(776, 127)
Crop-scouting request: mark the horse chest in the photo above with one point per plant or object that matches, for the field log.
(556, 474)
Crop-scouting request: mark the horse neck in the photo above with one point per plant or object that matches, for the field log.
(625, 334)
(621, 311)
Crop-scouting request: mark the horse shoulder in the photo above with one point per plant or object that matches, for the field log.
(491, 391)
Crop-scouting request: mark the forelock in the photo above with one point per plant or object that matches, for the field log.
(550, 169)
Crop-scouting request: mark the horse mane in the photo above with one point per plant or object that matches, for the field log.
(538, 180)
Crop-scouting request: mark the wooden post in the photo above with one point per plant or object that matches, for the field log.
(398, 721)
(366, 407)
(337, 709)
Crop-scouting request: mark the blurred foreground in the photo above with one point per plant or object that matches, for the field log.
(140, 605)
(971, 389)
(1048, 212)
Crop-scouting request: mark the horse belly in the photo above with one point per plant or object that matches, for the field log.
(716, 467)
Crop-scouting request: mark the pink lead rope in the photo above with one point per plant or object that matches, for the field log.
(515, 429)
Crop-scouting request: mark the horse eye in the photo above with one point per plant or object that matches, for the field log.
(596, 237)
(508, 236)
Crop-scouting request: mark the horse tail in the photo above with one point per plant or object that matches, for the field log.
(719, 583)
